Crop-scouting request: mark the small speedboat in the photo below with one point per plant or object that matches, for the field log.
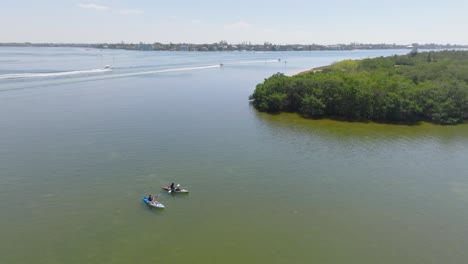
(176, 190)
(153, 203)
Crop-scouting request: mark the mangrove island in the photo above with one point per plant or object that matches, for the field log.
(426, 86)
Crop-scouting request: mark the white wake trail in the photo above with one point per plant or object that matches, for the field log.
(95, 71)
(49, 74)
(252, 62)
(164, 70)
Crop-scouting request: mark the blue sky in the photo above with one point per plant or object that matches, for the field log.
(285, 21)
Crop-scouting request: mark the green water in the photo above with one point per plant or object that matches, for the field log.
(77, 155)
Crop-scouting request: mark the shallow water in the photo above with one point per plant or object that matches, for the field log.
(79, 151)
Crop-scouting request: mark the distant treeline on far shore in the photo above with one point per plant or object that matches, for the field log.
(427, 86)
(245, 46)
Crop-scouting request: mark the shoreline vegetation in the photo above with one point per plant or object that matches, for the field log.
(245, 46)
(313, 70)
(405, 89)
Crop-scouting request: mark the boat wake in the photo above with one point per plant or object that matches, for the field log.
(50, 74)
(38, 80)
(108, 69)
(165, 70)
(253, 61)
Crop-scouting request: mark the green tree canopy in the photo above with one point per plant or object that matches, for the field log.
(431, 86)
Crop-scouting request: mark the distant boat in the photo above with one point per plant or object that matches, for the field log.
(107, 67)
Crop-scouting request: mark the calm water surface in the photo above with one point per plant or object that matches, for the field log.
(79, 147)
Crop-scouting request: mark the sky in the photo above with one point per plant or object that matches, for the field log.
(235, 21)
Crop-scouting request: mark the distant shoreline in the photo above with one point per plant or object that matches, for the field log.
(246, 46)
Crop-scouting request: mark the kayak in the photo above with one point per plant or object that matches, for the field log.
(177, 190)
(154, 203)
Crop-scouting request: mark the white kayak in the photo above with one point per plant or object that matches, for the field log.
(176, 190)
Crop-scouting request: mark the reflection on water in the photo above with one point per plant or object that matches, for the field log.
(427, 138)
(364, 131)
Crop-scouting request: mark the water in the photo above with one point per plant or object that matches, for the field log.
(79, 150)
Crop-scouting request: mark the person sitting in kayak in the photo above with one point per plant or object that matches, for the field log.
(150, 198)
(172, 187)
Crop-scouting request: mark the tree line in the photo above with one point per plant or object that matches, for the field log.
(429, 86)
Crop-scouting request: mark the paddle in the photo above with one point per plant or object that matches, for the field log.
(155, 202)
(170, 190)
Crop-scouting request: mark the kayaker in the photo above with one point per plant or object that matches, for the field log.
(172, 187)
(150, 198)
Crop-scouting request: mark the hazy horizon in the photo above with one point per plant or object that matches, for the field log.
(231, 43)
(298, 22)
